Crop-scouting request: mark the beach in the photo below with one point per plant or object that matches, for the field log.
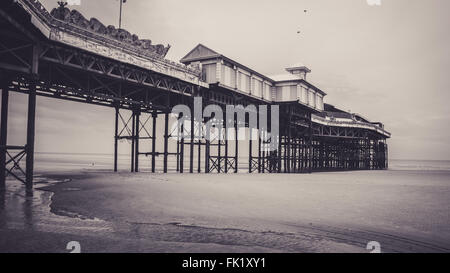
(403, 210)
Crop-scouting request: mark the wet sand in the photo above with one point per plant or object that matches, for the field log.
(405, 211)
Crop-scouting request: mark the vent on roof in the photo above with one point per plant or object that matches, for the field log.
(298, 70)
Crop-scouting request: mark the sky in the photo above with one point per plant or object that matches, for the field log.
(389, 62)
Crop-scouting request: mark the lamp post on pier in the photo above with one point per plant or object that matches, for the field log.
(120, 15)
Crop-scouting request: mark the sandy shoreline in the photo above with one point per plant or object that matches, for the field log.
(323, 212)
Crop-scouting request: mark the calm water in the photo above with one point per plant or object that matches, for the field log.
(420, 165)
(45, 162)
(64, 162)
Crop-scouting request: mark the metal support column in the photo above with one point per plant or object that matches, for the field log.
(30, 137)
(259, 145)
(133, 133)
(279, 153)
(219, 149)
(294, 155)
(3, 134)
(166, 140)
(116, 137)
(207, 148)
(178, 144)
(181, 156)
(199, 153)
(29, 148)
(226, 146)
(154, 116)
(285, 155)
(288, 161)
(136, 137)
(191, 147)
(236, 147)
(250, 149)
(310, 145)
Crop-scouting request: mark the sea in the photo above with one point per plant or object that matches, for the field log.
(45, 162)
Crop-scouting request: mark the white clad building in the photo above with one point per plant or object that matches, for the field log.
(224, 72)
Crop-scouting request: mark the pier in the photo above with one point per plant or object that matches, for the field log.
(62, 55)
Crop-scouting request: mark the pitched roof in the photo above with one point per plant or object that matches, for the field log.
(200, 52)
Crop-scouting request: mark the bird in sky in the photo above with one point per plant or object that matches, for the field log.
(305, 11)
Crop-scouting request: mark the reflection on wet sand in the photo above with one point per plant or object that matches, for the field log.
(249, 213)
(2, 209)
(30, 216)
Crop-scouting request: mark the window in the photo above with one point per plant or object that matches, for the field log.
(312, 101)
(209, 73)
(293, 93)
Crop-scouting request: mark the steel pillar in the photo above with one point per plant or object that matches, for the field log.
(387, 155)
(288, 159)
(219, 149)
(285, 152)
(116, 137)
(191, 145)
(154, 116)
(30, 137)
(178, 144)
(199, 154)
(207, 148)
(133, 133)
(236, 147)
(136, 139)
(259, 145)
(310, 136)
(166, 141)
(250, 149)
(226, 147)
(279, 153)
(181, 156)
(4, 133)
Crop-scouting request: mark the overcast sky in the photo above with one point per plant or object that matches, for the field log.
(390, 62)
